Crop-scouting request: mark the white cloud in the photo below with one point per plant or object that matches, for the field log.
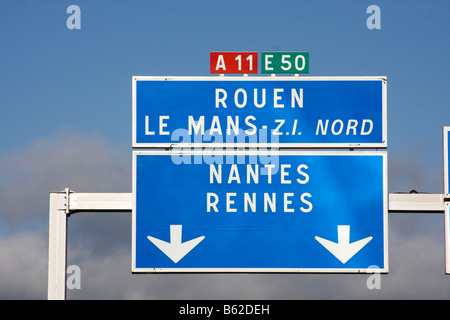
(81, 162)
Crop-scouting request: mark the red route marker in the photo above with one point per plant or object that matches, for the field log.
(233, 62)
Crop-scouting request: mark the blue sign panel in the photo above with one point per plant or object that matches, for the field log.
(259, 211)
(290, 111)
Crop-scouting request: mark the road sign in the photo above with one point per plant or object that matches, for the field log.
(285, 62)
(233, 62)
(255, 111)
(446, 140)
(259, 211)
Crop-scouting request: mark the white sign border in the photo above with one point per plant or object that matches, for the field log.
(379, 145)
(447, 237)
(369, 269)
(446, 149)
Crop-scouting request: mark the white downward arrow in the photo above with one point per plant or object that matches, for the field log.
(174, 249)
(343, 249)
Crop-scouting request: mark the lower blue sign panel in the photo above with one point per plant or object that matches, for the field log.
(259, 211)
(446, 138)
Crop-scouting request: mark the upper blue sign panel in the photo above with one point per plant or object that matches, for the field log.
(305, 112)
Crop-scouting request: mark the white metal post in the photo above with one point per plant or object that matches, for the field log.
(57, 246)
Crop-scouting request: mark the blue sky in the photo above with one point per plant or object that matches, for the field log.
(65, 110)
